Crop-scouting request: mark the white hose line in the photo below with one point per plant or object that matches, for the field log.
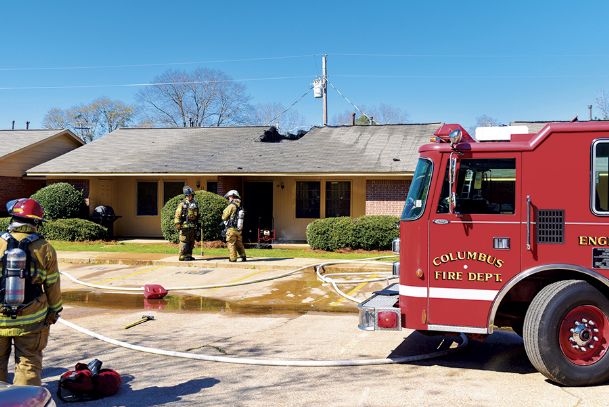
(204, 287)
(268, 362)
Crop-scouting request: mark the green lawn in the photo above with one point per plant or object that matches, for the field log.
(173, 249)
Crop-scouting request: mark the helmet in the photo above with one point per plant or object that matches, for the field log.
(232, 192)
(187, 190)
(25, 208)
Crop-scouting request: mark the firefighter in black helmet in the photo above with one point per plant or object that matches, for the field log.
(187, 222)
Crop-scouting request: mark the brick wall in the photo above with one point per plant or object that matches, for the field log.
(386, 197)
(225, 184)
(17, 187)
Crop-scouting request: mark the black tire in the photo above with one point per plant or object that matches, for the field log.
(542, 326)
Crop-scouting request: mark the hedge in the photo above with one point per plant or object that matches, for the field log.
(60, 201)
(67, 229)
(366, 232)
(210, 207)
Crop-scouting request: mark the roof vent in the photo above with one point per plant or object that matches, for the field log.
(503, 133)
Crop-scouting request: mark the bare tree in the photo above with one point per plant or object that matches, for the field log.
(486, 121)
(274, 114)
(376, 114)
(602, 103)
(91, 120)
(204, 97)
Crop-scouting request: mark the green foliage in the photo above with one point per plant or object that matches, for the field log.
(60, 201)
(330, 233)
(210, 207)
(375, 232)
(73, 230)
(366, 232)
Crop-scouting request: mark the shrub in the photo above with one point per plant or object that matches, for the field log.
(67, 229)
(330, 233)
(375, 232)
(60, 201)
(73, 230)
(366, 232)
(210, 207)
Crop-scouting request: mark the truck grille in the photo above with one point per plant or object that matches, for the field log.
(550, 226)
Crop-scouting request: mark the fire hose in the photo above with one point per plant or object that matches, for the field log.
(327, 278)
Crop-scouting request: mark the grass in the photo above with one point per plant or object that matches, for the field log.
(169, 248)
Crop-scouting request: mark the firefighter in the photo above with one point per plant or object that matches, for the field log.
(187, 223)
(30, 294)
(233, 216)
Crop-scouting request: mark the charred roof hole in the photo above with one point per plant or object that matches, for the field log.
(272, 135)
(396, 159)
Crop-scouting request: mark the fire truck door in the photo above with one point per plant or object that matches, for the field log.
(475, 250)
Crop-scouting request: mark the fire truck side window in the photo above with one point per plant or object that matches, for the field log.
(601, 177)
(484, 186)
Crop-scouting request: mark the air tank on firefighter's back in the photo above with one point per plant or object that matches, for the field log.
(14, 293)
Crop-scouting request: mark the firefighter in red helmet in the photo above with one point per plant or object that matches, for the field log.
(30, 295)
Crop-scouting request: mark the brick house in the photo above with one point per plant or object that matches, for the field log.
(23, 149)
(285, 184)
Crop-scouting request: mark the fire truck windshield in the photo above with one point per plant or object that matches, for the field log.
(418, 191)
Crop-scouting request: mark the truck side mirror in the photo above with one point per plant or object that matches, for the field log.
(452, 175)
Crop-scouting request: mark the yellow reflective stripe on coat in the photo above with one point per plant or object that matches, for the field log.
(7, 322)
(56, 307)
(52, 279)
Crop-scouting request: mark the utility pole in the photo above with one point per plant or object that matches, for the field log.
(324, 87)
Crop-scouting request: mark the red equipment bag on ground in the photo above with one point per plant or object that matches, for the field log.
(88, 382)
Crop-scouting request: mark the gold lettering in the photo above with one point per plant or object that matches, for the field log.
(602, 241)
(592, 241)
(471, 255)
(436, 261)
(583, 241)
(498, 278)
(452, 257)
(488, 276)
(471, 276)
(444, 258)
(452, 275)
(490, 260)
(437, 274)
(499, 263)
(481, 257)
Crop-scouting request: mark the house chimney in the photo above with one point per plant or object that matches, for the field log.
(27, 125)
(353, 119)
(13, 126)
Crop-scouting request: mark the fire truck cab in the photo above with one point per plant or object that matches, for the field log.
(509, 230)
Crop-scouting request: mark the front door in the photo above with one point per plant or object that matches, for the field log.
(474, 251)
(258, 205)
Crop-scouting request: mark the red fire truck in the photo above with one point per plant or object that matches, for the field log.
(509, 232)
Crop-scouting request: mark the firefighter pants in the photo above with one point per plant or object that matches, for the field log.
(28, 356)
(235, 244)
(187, 242)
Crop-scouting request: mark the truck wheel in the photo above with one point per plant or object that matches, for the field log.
(566, 333)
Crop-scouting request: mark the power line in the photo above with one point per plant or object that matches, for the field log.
(212, 61)
(348, 101)
(414, 55)
(131, 85)
(291, 106)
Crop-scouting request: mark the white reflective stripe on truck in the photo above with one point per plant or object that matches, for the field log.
(449, 293)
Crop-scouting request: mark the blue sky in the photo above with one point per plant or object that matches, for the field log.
(439, 61)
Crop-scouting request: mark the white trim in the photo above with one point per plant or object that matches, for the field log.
(587, 223)
(448, 293)
(412, 291)
(460, 329)
(406, 174)
(486, 222)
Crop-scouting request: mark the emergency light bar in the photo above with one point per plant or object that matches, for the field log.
(503, 133)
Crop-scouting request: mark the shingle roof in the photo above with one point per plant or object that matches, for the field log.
(15, 140)
(234, 150)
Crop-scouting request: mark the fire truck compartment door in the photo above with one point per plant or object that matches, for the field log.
(474, 251)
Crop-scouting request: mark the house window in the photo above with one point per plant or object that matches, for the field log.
(171, 189)
(338, 198)
(147, 196)
(212, 186)
(307, 199)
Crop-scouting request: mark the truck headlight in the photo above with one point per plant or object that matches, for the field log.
(395, 246)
